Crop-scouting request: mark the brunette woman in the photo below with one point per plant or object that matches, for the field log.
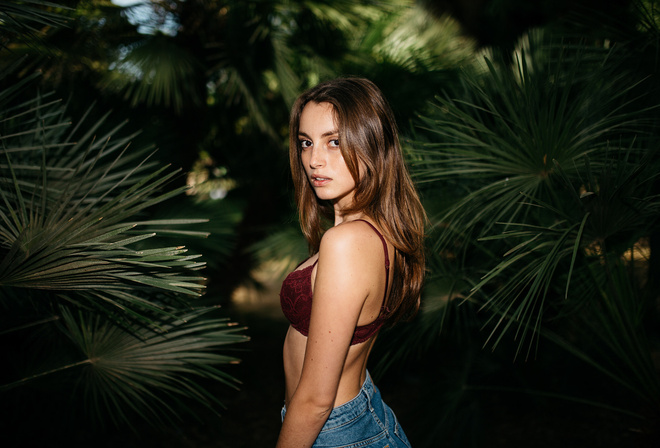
(365, 271)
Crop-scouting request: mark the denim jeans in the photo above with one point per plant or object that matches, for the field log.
(365, 421)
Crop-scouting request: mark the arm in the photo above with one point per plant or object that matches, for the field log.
(340, 290)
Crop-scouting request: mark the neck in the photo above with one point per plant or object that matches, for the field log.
(340, 217)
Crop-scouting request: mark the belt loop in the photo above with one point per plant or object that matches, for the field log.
(368, 390)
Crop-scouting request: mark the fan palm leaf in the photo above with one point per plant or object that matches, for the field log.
(552, 165)
(507, 133)
(81, 263)
(147, 371)
(157, 71)
(21, 19)
(65, 226)
(606, 299)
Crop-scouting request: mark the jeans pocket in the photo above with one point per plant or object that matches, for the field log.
(361, 432)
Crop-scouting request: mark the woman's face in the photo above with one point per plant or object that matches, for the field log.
(326, 169)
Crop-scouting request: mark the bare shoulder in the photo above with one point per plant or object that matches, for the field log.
(355, 239)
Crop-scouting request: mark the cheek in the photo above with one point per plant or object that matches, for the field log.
(304, 159)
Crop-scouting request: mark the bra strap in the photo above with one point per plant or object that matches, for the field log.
(387, 257)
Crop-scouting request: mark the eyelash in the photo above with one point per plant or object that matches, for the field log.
(303, 142)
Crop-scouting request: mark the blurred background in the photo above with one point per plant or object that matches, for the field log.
(147, 216)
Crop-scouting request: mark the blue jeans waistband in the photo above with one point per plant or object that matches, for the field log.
(364, 421)
(353, 408)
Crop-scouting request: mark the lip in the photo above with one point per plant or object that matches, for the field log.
(318, 180)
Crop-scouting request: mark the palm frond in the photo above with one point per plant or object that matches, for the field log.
(81, 257)
(68, 219)
(414, 39)
(283, 249)
(157, 71)
(551, 170)
(512, 127)
(146, 371)
(22, 19)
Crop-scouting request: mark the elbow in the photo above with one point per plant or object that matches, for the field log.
(321, 407)
(322, 413)
(317, 406)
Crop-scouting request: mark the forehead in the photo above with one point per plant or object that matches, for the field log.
(318, 117)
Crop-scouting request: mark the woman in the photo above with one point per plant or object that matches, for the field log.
(365, 271)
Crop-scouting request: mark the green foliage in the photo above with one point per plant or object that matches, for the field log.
(93, 302)
(117, 374)
(285, 247)
(537, 164)
(66, 207)
(22, 19)
(157, 72)
(553, 165)
(513, 125)
(69, 208)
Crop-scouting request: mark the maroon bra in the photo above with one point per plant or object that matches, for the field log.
(296, 299)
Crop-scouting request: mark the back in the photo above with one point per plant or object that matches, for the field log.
(357, 255)
(296, 298)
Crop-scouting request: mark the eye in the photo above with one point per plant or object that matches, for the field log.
(304, 144)
(334, 143)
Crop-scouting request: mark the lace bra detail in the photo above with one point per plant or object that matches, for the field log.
(296, 299)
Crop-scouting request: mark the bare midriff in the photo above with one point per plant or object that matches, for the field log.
(353, 373)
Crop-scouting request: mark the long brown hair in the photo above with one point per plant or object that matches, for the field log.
(384, 191)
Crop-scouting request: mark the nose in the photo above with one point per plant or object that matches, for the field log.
(316, 158)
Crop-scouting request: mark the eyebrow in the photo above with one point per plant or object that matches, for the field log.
(325, 134)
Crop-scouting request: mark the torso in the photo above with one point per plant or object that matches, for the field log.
(296, 298)
(354, 369)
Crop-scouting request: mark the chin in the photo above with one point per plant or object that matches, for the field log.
(325, 196)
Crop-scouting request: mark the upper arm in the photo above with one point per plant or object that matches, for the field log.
(340, 291)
